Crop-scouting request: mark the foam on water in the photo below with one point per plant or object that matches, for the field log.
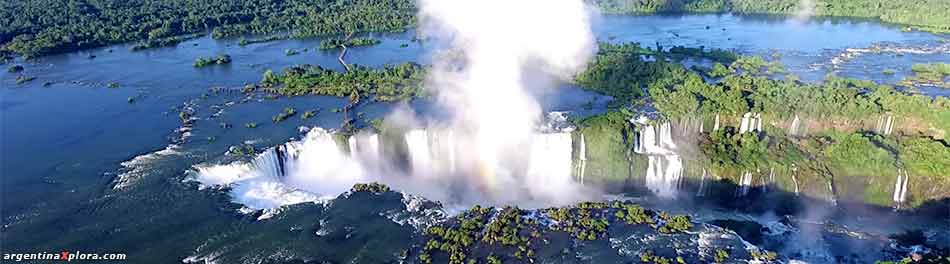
(135, 168)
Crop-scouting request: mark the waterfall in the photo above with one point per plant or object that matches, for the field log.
(583, 158)
(351, 142)
(751, 122)
(833, 195)
(716, 123)
(664, 167)
(795, 178)
(702, 184)
(793, 128)
(443, 147)
(549, 164)
(885, 125)
(294, 172)
(771, 179)
(365, 148)
(420, 158)
(317, 164)
(270, 163)
(744, 124)
(317, 167)
(900, 187)
(745, 184)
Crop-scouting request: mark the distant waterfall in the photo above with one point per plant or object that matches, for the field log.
(702, 184)
(793, 128)
(771, 179)
(550, 163)
(751, 122)
(365, 148)
(431, 152)
(885, 125)
(900, 188)
(582, 159)
(745, 184)
(716, 123)
(665, 167)
(795, 178)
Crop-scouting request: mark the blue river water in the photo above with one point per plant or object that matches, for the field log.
(62, 141)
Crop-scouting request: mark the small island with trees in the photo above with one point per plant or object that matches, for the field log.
(208, 61)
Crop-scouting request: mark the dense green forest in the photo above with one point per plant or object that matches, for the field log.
(391, 83)
(336, 43)
(40, 27)
(928, 15)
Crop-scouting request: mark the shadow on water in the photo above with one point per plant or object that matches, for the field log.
(847, 231)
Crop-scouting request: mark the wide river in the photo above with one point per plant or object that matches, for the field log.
(67, 141)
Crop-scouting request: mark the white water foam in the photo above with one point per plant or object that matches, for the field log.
(138, 166)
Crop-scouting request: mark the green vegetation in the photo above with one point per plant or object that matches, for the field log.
(766, 256)
(287, 113)
(608, 140)
(41, 27)
(244, 42)
(308, 114)
(512, 234)
(674, 224)
(924, 15)
(586, 222)
(934, 74)
(721, 255)
(373, 187)
(242, 150)
(206, 61)
(24, 79)
(250, 125)
(164, 42)
(649, 257)
(758, 65)
(391, 83)
(619, 70)
(336, 43)
(843, 119)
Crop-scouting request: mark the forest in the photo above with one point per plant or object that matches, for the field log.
(40, 27)
(390, 83)
(336, 43)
